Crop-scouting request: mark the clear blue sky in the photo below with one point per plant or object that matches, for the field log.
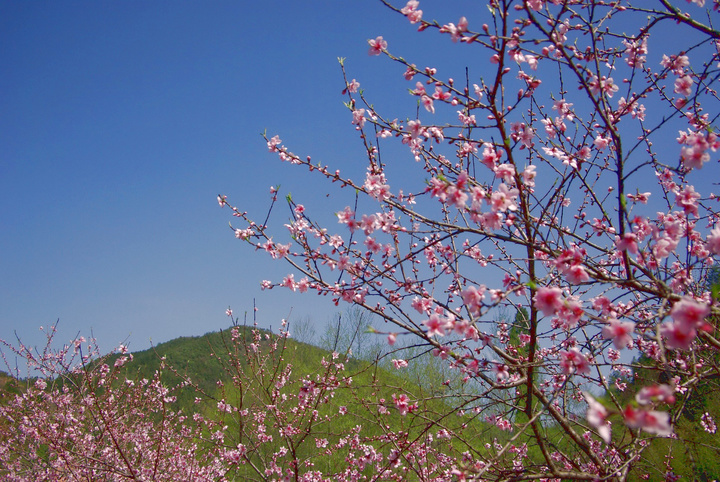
(120, 122)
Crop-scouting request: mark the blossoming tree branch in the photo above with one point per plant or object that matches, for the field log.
(570, 182)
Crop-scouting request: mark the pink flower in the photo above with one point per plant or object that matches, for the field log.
(601, 142)
(346, 215)
(656, 393)
(422, 305)
(569, 313)
(427, 102)
(435, 325)
(687, 199)
(678, 336)
(572, 361)
(649, 420)
(504, 198)
(455, 31)
(273, 143)
(359, 118)
(377, 46)
(708, 424)
(577, 275)
(536, 5)
(683, 85)
(548, 300)
(620, 332)
(490, 155)
(528, 176)
(392, 338)
(506, 172)
(689, 313)
(627, 243)
(473, 298)
(597, 417)
(713, 240)
(410, 10)
(289, 282)
(398, 364)
(303, 285)
(402, 403)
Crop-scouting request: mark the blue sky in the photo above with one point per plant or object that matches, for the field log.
(120, 122)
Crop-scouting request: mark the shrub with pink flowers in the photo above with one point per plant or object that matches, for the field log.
(543, 225)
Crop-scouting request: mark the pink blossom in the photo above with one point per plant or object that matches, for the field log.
(687, 199)
(676, 63)
(570, 313)
(415, 128)
(303, 285)
(435, 325)
(506, 172)
(410, 72)
(528, 176)
(713, 240)
(627, 243)
(427, 102)
(601, 142)
(548, 300)
(678, 336)
(597, 416)
(577, 275)
(656, 393)
(501, 371)
(504, 198)
(689, 313)
(572, 361)
(376, 187)
(620, 332)
(636, 52)
(346, 215)
(639, 197)
(536, 5)
(523, 133)
(473, 298)
(289, 282)
(455, 31)
(402, 403)
(422, 305)
(683, 85)
(439, 94)
(377, 46)
(273, 143)
(490, 156)
(398, 364)
(602, 85)
(359, 118)
(410, 10)
(707, 423)
(649, 420)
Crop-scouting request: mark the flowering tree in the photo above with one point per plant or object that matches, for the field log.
(549, 239)
(83, 418)
(570, 183)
